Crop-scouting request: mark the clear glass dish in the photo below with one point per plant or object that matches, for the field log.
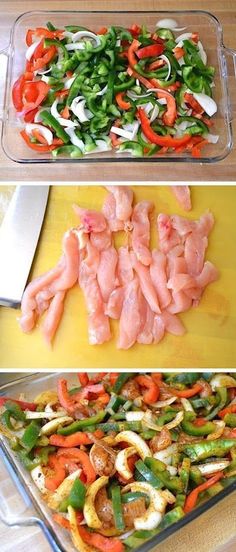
(31, 386)
(210, 31)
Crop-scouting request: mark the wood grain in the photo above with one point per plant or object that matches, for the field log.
(223, 171)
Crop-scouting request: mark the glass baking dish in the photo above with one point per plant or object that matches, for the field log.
(210, 31)
(30, 386)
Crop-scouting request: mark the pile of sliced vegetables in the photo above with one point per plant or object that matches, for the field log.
(122, 456)
(132, 90)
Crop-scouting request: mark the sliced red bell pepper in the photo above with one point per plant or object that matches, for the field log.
(228, 410)
(121, 102)
(29, 117)
(83, 458)
(135, 30)
(65, 400)
(113, 377)
(74, 440)
(105, 544)
(42, 32)
(154, 138)
(156, 65)
(53, 481)
(23, 404)
(83, 378)
(186, 393)
(44, 59)
(191, 499)
(150, 51)
(17, 93)
(151, 395)
(36, 92)
(190, 100)
(170, 113)
(40, 147)
(134, 46)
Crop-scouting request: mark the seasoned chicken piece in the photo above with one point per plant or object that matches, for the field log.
(103, 459)
(130, 390)
(161, 441)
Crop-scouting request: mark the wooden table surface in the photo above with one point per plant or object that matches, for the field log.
(222, 171)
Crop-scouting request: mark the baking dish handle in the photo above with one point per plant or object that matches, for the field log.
(3, 72)
(229, 74)
(10, 501)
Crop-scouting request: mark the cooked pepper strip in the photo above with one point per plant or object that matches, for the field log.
(151, 395)
(81, 424)
(22, 404)
(191, 499)
(82, 457)
(187, 393)
(30, 436)
(117, 508)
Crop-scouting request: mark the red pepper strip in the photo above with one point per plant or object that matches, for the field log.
(28, 75)
(42, 61)
(170, 113)
(74, 440)
(105, 544)
(113, 377)
(199, 422)
(167, 141)
(65, 113)
(157, 377)
(151, 395)
(196, 150)
(189, 99)
(114, 139)
(36, 134)
(186, 393)
(150, 51)
(102, 31)
(63, 522)
(135, 30)
(104, 399)
(228, 410)
(81, 457)
(29, 37)
(17, 93)
(39, 147)
(134, 46)
(99, 377)
(191, 499)
(41, 31)
(83, 378)
(178, 52)
(24, 405)
(94, 389)
(65, 400)
(195, 37)
(121, 102)
(62, 93)
(37, 90)
(156, 65)
(52, 482)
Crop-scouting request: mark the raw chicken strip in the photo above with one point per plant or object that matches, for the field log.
(180, 302)
(182, 225)
(172, 323)
(159, 277)
(101, 240)
(146, 285)
(180, 282)
(208, 274)
(115, 303)
(124, 268)
(106, 274)
(205, 224)
(141, 231)
(98, 322)
(130, 317)
(182, 194)
(69, 276)
(168, 236)
(158, 329)
(147, 317)
(109, 212)
(124, 198)
(194, 253)
(53, 316)
(47, 284)
(92, 221)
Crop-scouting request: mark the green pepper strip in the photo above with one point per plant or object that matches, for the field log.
(222, 396)
(30, 436)
(206, 449)
(49, 120)
(192, 120)
(138, 537)
(15, 410)
(120, 426)
(81, 424)
(192, 80)
(77, 494)
(130, 497)
(71, 150)
(6, 419)
(28, 463)
(135, 147)
(117, 508)
(230, 420)
(184, 473)
(124, 85)
(191, 429)
(147, 475)
(121, 380)
(192, 377)
(115, 402)
(173, 483)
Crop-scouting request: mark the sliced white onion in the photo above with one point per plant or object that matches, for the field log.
(31, 49)
(202, 53)
(220, 426)
(53, 425)
(134, 416)
(39, 479)
(187, 405)
(49, 415)
(76, 46)
(167, 402)
(148, 107)
(165, 58)
(63, 122)
(102, 145)
(154, 113)
(42, 71)
(103, 91)
(166, 454)
(213, 467)
(126, 535)
(222, 380)
(75, 140)
(78, 108)
(162, 101)
(184, 36)
(121, 132)
(85, 34)
(68, 83)
(135, 96)
(172, 470)
(206, 102)
(169, 24)
(45, 132)
(212, 138)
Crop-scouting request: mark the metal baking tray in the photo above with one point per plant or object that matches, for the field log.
(32, 385)
(211, 34)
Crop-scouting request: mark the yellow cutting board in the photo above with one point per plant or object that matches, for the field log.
(210, 341)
